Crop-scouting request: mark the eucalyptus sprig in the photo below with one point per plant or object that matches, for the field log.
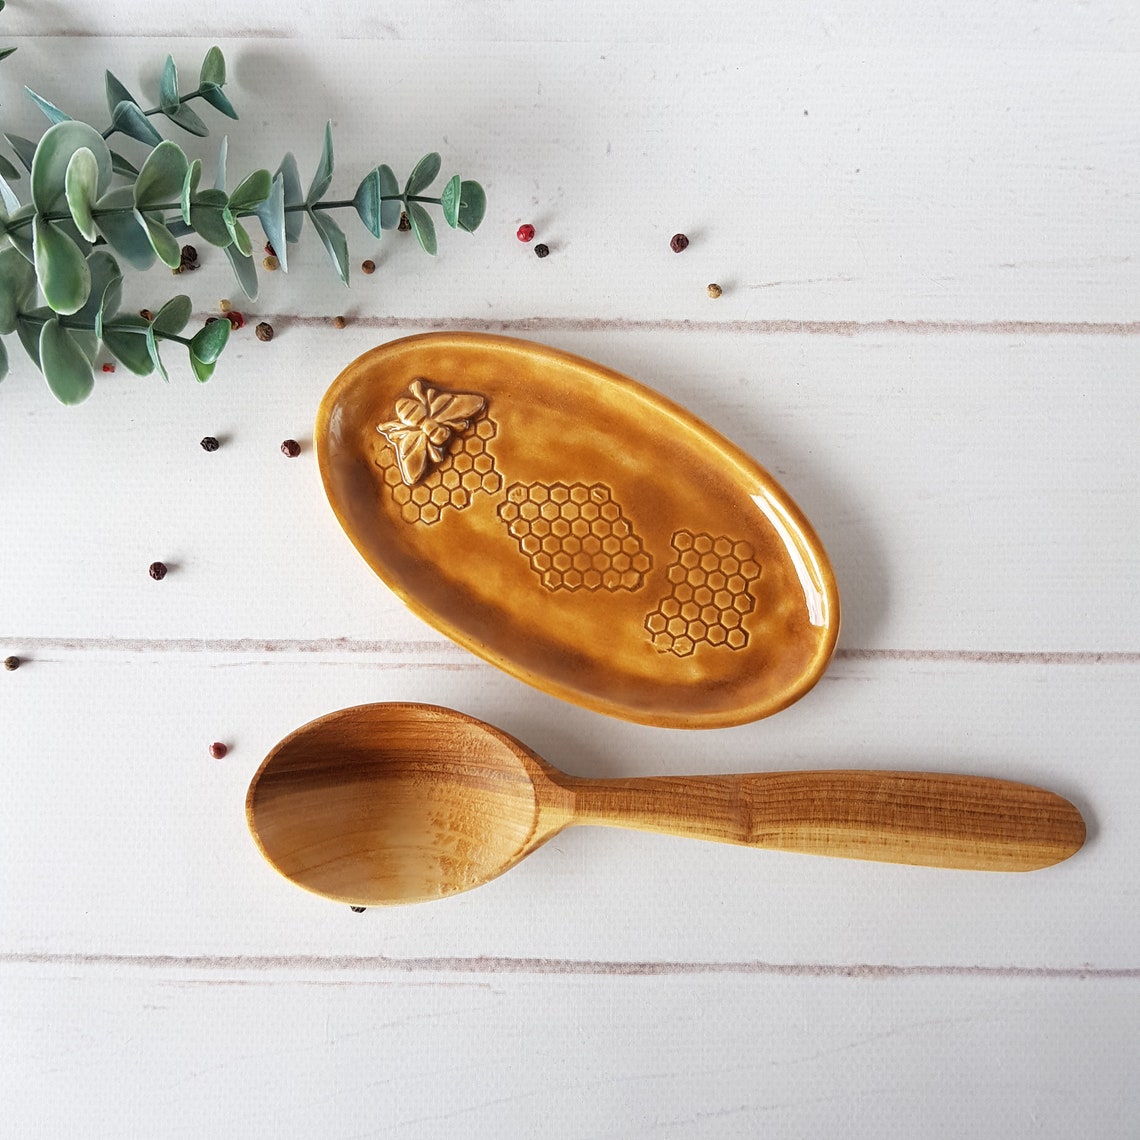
(60, 239)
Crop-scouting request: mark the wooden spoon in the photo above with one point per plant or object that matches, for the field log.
(402, 803)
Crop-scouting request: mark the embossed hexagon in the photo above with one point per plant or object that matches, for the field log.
(587, 542)
(708, 595)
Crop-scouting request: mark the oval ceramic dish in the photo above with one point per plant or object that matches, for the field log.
(578, 530)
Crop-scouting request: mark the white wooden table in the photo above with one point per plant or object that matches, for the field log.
(926, 220)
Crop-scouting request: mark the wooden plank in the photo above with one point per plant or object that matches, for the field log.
(874, 184)
(124, 837)
(823, 23)
(182, 1053)
(970, 491)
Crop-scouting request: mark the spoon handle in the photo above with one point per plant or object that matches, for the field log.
(968, 822)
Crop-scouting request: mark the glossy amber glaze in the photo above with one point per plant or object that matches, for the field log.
(577, 529)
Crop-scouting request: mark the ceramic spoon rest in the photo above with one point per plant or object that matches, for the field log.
(577, 529)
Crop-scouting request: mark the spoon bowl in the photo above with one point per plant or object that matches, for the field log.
(399, 803)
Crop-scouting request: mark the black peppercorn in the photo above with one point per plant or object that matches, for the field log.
(158, 571)
(405, 224)
(210, 443)
(358, 909)
(541, 250)
(291, 448)
(368, 266)
(264, 330)
(11, 664)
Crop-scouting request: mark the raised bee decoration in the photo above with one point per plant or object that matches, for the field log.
(426, 419)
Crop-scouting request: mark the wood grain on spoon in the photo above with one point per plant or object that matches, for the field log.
(396, 803)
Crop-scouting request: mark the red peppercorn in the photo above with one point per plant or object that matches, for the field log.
(678, 243)
(146, 314)
(269, 249)
(218, 750)
(291, 448)
(368, 266)
(525, 232)
(541, 250)
(237, 321)
(108, 368)
(158, 571)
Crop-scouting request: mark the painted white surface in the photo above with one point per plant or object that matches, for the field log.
(928, 334)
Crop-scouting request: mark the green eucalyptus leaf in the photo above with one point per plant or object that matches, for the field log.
(20, 235)
(152, 348)
(213, 68)
(271, 214)
(5, 52)
(28, 327)
(128, 118)
(126, 346)
(123, 166)
(449, 201)
(390, 205)
(244, 270)
(202, 370)
(179, 228)
(367, 202)
(291, 185)
(17, 287)
(422, 226)
(168, 85)
(123, 230)
(184, 116)
(64, 364)
(208, 342)
(161, 239)
(8, 195)
(472, 206)
(207, 216)
(7, 170)
(116, 92)
(49, 109)
(334, 241)
(49, 167)
(220, 169)
(3, 350)
(217, 99)
(190, 187)
(61, 268)
(238, 233)
(81, 185)
(88, 343)
(162, 176)
(106, 276)
(108, 305)
(424, 174)
(25, 149)
(323, 177)
(173, 317)
(251, 191)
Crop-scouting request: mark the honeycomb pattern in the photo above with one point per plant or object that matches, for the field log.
(708, 596)
(468, 468)
(576, 536)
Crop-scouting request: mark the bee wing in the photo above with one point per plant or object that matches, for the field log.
(412, 456)
(458, 409)
(410, 445)
(411, 409)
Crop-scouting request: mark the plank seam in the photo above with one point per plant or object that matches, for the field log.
(564, 967)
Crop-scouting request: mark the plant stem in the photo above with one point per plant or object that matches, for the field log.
(79, 326)
(155, 110)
